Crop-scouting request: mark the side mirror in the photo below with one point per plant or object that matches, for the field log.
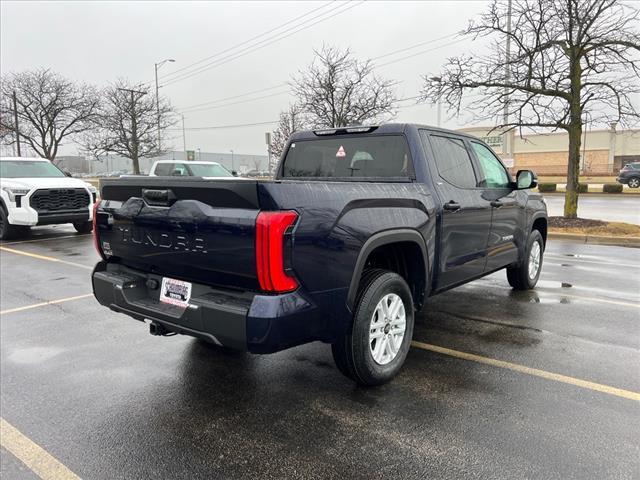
(66, 174)
(526, 179)
(234, 173)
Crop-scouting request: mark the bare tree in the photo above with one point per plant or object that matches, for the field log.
(291, 120)
(337, 90)
(569, 58)
(127, 123)
(50, 109)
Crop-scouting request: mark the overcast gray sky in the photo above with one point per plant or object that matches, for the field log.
(97, 42)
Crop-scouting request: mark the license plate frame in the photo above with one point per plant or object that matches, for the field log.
(175, 292)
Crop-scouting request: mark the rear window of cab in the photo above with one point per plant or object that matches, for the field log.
(349, 157)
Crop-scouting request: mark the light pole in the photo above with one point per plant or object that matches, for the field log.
(233, 167)
(199, 154)
(439, 102)
(184, 136)
(157, 67)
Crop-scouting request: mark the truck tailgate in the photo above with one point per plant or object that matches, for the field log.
(192, 229)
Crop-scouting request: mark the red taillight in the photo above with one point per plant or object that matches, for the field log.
(96, 241)
(270, 231)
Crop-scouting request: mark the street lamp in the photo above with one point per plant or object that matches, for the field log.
(439, 102)
(157, 67)
(233, 167)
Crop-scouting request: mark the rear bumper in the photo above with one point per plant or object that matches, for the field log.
(238, 320)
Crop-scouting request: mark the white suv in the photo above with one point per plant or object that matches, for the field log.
(33, 191)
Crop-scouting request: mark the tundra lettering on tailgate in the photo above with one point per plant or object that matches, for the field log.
(182, 241)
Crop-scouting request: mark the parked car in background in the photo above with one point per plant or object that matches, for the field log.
(172, 168)
(630, 175)
(358, 228)
(33, 191)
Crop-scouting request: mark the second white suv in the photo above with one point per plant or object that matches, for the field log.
(33, 191)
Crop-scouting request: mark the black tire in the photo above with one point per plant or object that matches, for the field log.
(518, 276)
(8, 231)
(352, 353)
(83, 227)
(634, 182)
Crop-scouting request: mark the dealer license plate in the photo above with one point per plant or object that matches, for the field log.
(175, 292)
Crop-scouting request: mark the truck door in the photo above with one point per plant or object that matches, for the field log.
(507, 214)
(465, 217)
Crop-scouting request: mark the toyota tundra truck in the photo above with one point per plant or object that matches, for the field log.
(33, 191)
(357, 229)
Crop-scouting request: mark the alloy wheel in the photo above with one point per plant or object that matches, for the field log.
(387, 329)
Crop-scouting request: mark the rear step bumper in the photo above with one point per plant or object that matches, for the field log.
(212, 315)
(238, 320)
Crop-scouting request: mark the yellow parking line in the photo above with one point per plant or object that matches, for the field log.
(598, 387)
(39, 461)
(43, 257)
(42, 304)
(77, 235)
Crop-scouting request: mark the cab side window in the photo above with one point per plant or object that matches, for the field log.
(493, 174)
(453, 161)
(164, 169)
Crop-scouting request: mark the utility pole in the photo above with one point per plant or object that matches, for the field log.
(267, 140)
(15, 120)
(438, 103)
(135, 142)
(184, 135)
(157, 67)
(506, 144)
(233, 166)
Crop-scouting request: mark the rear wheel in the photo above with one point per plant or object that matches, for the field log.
(373, 352)
(8, 231)
(83, 227)
(634, 182)
(525, 276)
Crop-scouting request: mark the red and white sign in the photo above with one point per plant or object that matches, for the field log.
(341, 152)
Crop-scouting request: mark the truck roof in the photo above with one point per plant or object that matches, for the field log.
(198, 162)
(31, 159)
(385, 128)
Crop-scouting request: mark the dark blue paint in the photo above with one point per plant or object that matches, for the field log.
(210, 240)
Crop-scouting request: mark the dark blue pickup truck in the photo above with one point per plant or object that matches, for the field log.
(359, 226)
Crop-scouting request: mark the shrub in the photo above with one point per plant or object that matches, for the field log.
(547, 187)
(583, 188)
(612, 188)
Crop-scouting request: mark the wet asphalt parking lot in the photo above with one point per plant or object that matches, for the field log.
(540, 384)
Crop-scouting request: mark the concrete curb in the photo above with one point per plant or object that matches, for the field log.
(633, 242)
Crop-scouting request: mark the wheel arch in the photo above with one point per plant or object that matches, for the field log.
(540, 223)
(409, 245)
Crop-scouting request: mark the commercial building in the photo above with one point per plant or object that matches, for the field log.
(603, 152)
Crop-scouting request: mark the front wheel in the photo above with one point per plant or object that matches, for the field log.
(8, 231)
(83, 227)
(525, 275)
(634, 182)
(373, 352)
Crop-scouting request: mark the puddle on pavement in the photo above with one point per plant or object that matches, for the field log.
(553, 284)
(534, 297)
(34, 354)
